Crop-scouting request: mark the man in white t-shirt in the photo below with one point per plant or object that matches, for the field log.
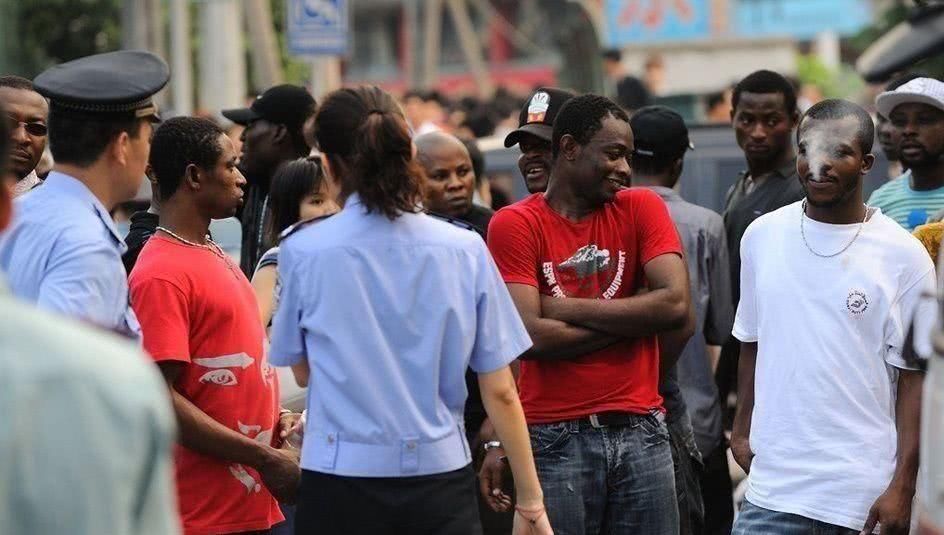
(827, 417)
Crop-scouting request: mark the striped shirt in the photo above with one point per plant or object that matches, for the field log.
(908, 207)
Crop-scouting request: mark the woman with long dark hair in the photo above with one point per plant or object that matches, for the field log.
(382, 309)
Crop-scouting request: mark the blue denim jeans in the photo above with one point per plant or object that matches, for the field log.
(607, 480)
(754, 520)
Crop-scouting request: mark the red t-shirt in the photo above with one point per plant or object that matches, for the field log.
(600, 257)
(198, 308)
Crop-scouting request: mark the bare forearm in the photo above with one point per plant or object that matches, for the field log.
(202, 434)
(500, 398)
(908, 420)
(557, 340)
(647, 314)
(741, 427)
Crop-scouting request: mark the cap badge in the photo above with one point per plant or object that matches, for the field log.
(537, 108)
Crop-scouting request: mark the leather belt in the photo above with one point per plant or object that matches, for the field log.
(614, 419)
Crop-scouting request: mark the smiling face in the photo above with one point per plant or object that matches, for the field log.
(535, 162)
(602, 166)
(921, 133)
(27, 112)
(450, 181)
(830, 161)
(763, 126)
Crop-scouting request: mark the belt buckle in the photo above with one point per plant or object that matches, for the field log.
(595, 421)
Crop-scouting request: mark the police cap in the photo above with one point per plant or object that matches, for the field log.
(115, 83)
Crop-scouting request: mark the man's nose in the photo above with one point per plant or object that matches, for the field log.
(18, 133)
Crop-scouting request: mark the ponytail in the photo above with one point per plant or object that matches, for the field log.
(365, 128)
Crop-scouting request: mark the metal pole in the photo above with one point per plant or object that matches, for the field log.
(266, 63)
(432, 42)
(222, 64)
(471, 48)
(181, 63)
(325, 75)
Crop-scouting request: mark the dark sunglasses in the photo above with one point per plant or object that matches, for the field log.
(33, 129)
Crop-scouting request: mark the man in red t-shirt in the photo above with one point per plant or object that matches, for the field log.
(596, 273)
(200, 322)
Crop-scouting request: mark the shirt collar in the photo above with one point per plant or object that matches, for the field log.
(73, 187)
(784, 171)
(27, 183)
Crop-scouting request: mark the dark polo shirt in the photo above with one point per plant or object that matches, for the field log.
(775, 190)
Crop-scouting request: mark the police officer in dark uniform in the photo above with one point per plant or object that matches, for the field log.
(63, 251)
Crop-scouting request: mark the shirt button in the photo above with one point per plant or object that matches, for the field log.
(411, 445)
(330, 439)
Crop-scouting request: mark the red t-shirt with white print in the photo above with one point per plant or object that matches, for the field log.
(600, 257)
(196, 306)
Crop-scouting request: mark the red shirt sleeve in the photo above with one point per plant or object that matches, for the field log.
(164, 314)
(514, 248)
(655, 232)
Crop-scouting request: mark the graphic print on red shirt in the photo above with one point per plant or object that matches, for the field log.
(600, 257)
(198, 308)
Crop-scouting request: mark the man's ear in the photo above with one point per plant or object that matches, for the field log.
(193, 177)
(280, 134)
(120, 148)
(795, 118)
(867, 162)
(569, 148)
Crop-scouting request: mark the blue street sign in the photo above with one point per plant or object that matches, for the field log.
(317, 27)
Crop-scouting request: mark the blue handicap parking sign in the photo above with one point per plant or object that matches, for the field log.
(317, 27)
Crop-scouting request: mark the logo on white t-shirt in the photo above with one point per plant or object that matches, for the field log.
(857, 302)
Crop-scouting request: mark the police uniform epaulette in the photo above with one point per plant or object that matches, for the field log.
(300, 225)
(456, 222)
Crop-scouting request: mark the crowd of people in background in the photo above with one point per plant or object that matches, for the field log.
(562, 363)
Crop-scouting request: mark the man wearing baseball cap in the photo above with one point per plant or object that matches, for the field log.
(273, 135)
(916, 110)
(533, 136)
(63, 251)
(693, 410)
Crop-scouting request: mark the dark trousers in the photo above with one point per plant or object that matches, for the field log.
(717, 490)
(688, 470)
(440, 504)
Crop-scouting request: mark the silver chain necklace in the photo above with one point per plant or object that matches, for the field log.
(840, 251)
(210, 245)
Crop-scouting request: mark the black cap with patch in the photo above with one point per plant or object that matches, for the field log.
(115, 83)
(282, 104)
(538, 114)
(659, 132)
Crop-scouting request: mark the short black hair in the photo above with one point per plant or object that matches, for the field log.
(179, 142)
(80, 139)
(765, 81)
(612, 54)
(16, 82)
(582, 117)
(835, 108)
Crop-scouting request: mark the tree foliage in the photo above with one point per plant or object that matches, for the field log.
(41, 33)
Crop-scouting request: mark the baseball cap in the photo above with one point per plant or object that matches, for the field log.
(659, 132)
(282, 104)
(537, 115)
(920, 90)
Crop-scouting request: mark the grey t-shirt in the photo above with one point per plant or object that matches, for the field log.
(706, 253)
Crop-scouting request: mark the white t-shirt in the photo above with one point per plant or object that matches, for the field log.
(830, 332)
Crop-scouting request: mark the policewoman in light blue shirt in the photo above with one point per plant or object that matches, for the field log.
(62, 251)
(382, 309)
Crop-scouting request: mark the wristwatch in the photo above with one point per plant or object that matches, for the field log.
(491, 444)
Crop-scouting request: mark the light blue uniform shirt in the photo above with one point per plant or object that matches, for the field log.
(389, 315)
(63, 253)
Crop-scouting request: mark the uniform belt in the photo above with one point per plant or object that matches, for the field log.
(614, 419)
